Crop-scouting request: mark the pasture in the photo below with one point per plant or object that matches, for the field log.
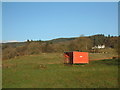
(48, 71)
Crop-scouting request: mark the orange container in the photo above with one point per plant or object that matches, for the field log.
(76, 57)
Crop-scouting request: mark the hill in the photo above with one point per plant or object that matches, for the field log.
(14, 44)
(61, 40)
(57, 40)
(11, 50)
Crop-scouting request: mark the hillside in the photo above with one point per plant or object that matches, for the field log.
(61, 40)
(85, 44)
(97, 40)
(57, 40)
(14, 44)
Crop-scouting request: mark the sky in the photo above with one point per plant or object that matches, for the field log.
(50, 20)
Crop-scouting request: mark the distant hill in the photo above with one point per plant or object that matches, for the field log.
(16, 44)
(61, 40)
(96, 39)
(84, 43)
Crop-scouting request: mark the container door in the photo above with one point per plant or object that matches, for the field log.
(68, 57)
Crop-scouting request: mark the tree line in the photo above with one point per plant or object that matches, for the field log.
(79, 44)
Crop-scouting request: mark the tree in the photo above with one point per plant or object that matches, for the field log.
(81, 44)
(84, 43)
(48, 47)
(72, 45)
(28, 40)
(98, 39)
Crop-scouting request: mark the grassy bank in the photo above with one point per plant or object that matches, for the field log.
(48, 71)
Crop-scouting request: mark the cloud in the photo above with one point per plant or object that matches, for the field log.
(12, 41)
(3, 41)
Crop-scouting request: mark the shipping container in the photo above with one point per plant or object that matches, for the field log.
(76, 57)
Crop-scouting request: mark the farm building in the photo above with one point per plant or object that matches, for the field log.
(76, 57)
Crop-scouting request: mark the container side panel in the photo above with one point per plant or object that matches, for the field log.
(80, 57)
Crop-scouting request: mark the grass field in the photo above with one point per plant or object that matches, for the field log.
(48, 71)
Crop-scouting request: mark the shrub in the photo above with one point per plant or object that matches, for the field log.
(9, 53)
(34, 48)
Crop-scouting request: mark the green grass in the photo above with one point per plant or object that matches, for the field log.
(27, 72)
(93, 56)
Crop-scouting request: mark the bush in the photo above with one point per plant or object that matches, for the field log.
(21, 50)
(9, 53)
(34, 48)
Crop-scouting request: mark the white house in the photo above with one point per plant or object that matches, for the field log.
(99, 46)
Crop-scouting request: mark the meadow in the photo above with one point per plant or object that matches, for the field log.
(48, 71)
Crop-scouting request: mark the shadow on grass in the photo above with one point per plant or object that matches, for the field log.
(98, 62)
